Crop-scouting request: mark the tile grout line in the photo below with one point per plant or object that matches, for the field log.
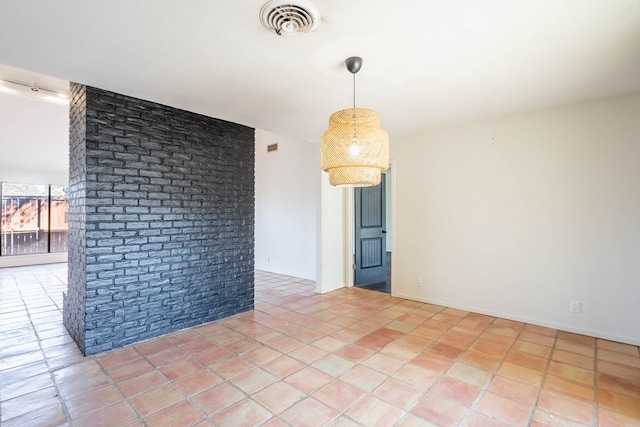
(543, 380)
(51, 373)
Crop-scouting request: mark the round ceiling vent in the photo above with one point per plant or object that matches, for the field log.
(289, 18)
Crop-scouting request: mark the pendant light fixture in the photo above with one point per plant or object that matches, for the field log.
(354, 150)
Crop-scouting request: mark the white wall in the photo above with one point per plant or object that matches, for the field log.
(287, 198)
(34, 140)
(517, 216)
(34, 148)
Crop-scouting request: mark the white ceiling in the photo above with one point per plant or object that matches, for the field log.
(426, 63)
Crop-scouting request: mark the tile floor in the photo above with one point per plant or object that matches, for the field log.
(348, 358)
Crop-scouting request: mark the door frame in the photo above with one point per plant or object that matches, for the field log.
(350, 230)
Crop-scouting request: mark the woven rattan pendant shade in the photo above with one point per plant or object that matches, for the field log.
(354, 150)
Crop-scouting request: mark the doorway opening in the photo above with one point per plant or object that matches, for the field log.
(372, 232)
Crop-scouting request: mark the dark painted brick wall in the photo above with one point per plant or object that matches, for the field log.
(74, 298)
(168, 200)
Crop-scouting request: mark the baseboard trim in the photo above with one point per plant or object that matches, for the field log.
(537, 322)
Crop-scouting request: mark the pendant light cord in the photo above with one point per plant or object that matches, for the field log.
(354, 91)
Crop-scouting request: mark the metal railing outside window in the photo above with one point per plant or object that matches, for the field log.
(33, 218)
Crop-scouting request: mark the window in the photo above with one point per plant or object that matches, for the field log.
(33, 219)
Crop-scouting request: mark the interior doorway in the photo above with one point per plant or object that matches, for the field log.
(372, 232)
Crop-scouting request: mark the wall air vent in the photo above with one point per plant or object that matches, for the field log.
(289, 18)
(272, 147)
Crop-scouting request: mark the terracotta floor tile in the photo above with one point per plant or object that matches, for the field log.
(181, 414)
(488, 336)
(283, 366)
(217, 398)
(181, 368)
(18, 388)
(572, 409)
(572, 373)
(364, 378)
(155, 399)
(379, 359)
(628, 349)
(243, 345)
(333, 365)
(532, 348)
(308, 336)
(374, 412)
(573, 359)
(537, 339)
(618, 370)
(199, 346)
(456, 340)
(627, 386)
(626, 405)
(118, 357)
(254, 380)
(232, 367)
(620, 358)
(262, 355)
(400, 351)
(480, 360)
(544, 419)
(197, 382)
(478, 419)
(144, 382)
(409, 420)
(490, 348)
(398, 393)
(89, 402)
(576, 348)
(383, 363)
(428, 333)
(245, 413)
(428, 361)
(614, 419)
(347, 335)
(45, 416)
(119, 414)
(568, 388)
(443, 351)
(44, 399)
(354, 353)
(278, 396)
(440, 411)
(576, 338)
(520, 373)
(506, 410)
(309, 413)
(514, 390)
(540, 330)
(455, 390)
(213, 355)
(156, 345)
(469, 374)
(308, 379)
(338, 395)
(131, 369)
(167, 356)
(416, 376)
(527, 360)
(286, 344)
(372, 342)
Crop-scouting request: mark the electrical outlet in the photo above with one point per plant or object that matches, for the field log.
(575, 306)
(420, 282)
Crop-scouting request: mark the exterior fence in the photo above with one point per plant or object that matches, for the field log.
(27, 226)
